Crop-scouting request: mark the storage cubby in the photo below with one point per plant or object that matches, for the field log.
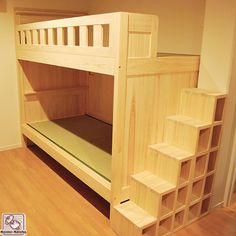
(219, 109)
(150, 231)
(208, 184)
(167, 203)
(184, 171)
(165, 226)
(203, 140)
(197, 188)
(179, 219)
(200, 165)
(212, 161)
(205, 206)
(182, 194)
(215, 136)
(193, 212)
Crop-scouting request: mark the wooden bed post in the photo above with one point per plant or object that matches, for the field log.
(132, 28)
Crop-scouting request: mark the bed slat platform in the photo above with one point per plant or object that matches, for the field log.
(87, 139)
(98, 183)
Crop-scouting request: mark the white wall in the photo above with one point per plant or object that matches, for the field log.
(9, 113)
(180, 21)
(218, 73)
(9, 118)
(217, 44)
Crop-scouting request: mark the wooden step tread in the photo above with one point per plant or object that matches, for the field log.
(204, 92)
(135, 214)
(172, 151)
(189, 121)
(153, 182)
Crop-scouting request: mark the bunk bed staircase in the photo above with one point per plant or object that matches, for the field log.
(176, 187)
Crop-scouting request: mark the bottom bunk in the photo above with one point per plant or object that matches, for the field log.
(82, 144)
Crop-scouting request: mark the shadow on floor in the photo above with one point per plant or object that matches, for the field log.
(96, 200)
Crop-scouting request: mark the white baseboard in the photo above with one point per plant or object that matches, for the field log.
(218, 205)
(10, 147)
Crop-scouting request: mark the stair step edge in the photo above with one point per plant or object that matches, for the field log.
(172, 151)
(199, 124)
(153, 182)
(135, 214)
(205, 92)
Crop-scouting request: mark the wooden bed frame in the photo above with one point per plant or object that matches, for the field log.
(165, 132)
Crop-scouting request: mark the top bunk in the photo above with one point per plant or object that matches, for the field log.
(98, 43)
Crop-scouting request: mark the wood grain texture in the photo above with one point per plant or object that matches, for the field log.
(28, 15)
(100, 96)
(49, 92)
(221, 222)
(144, 93)
(50, 196)
(146, 90)
(84, 173)
(31, 181)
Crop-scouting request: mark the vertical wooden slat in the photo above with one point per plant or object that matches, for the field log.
(97, 36)
(83, 35)
(28, 37)
(42, 36)
(18, 39)
(35, 36)
(60, 36)
(71, 36)
(22, 37)
(50, 37)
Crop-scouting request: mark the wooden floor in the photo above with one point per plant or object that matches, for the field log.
(57, 204)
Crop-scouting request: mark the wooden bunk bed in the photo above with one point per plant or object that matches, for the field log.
(97, 97)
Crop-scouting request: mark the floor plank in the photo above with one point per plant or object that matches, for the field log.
(57, 203)
(52, 199)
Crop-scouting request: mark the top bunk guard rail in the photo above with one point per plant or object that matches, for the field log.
(85, 35)
(92, 43)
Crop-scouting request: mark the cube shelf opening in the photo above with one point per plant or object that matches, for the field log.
(167, 203)
(194, 212)
(165, 226)
(150, 231)
(205, 206)
(185, 171)
(215, 136)
(200, 165)
(197, 188)
(208, 184)
(203, 141)
(219, 109)
(181, 197)
(179, 219)
(212, 161)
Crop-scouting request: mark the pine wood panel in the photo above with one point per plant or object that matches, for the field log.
(144, 123)
(27, 15)
(100, 96)
(50, 92)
